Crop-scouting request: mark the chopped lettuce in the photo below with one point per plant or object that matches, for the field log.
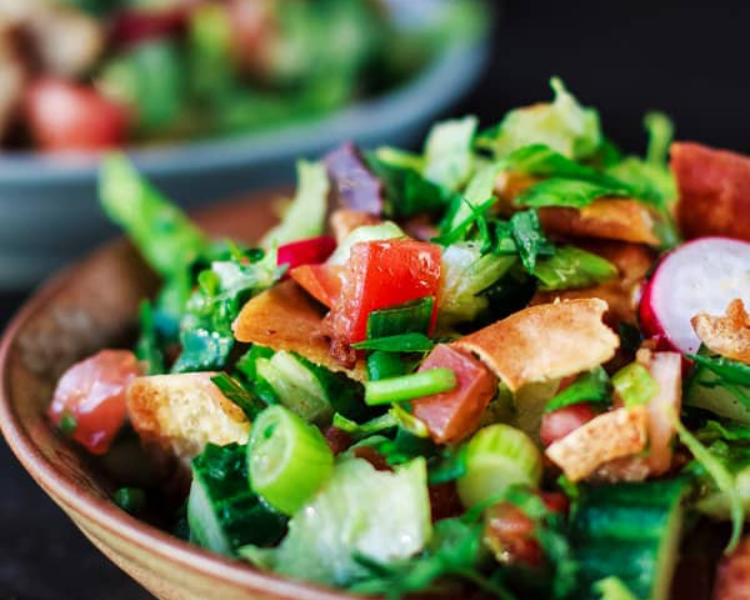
(387, 230)
(305, 216)
(448, 152)
(563, 125)
(466, 273)
(570, 268)
(359, 514)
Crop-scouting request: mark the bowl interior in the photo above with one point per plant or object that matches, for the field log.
(84, 309)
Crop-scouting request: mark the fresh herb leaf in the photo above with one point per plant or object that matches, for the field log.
(530, 241)
(593, 386)
(250, 404)
(449, 465)
(404, 342)
(728, 430)
(147, 348)
(571, 268)
(247, 370)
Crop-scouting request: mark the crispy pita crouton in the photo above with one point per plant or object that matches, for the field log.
(177, 415)
(633, 261)
(728, 335)
(286, 318)
(733, 575)
(611, 435)
(714, 188)
(545, 342)
(344, 220)
(623, 219)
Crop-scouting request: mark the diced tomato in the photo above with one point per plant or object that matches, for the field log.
(509, 533)
(322, 282)
(132, 26)
(380, 274)
(444, 501)
(559, 423)
(451, 416)
(338, 439)
(89, 402)
(372, 456)
(555, 502)
(305, 252)
(66, 116)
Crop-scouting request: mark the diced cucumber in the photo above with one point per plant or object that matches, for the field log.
(630, 531)
(703, 392)
(222, 512)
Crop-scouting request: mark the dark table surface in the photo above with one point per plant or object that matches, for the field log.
(623, 57)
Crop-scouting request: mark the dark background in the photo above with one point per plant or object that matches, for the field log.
(687, 59)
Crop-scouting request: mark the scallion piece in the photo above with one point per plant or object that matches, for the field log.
(130, 499)
(408, 387)
(634, 385)
(404, 342)
(413, 316)
(384, 365)
(288, 459)
(498, 457)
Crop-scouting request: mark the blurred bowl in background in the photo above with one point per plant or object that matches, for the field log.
(49, 211)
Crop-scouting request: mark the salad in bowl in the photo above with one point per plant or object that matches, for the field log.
(517, 363)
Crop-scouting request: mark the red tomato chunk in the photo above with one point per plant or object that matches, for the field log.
(92, 394)
(559, 423)
(451, 416)
(381, 274)
(65, 116)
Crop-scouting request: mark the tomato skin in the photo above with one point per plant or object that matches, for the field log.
(93, 393)
(509, 533)
(452, 416)
(380, 274)
(322, 282)
(559, 423)
(66, 116)
(133, 26)
(305, 252)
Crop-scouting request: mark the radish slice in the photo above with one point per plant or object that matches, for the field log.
(704, 275)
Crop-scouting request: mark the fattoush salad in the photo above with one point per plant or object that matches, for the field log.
(515, 364)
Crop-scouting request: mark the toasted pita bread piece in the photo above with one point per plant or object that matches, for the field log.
(633, 262)
(286, 318)
(623, 219)
(545, 342)
(728, 335)
(714, 188)
(177, 415)
(611, 435)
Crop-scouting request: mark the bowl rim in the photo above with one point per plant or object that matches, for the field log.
(462, 63)
(70, 495)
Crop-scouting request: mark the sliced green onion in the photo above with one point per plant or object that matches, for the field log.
(634, 385)
(498, 457)
(288, 459)
(384, 365)
(408, 422)
(363, 430)
(404, 342)
(408, 387)
(593, 386)
(413, 316)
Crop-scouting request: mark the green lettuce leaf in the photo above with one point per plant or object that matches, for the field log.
(563, 125)
(360, 512)
(448, 153)
(305, 216)
(570, 193)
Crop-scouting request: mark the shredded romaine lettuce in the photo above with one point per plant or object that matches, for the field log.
(570, 268)
(448, 152)
(360, 512)
(563, 125)
(305, 216)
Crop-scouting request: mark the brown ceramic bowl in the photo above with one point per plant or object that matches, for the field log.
(86, 308)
